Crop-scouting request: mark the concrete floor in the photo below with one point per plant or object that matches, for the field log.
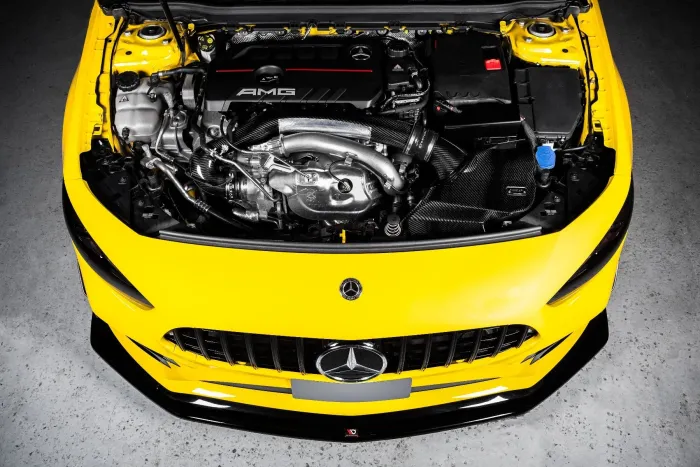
(637, 403)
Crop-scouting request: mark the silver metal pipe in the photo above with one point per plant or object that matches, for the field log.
(159, 139)
(325, 125)
(341, 147)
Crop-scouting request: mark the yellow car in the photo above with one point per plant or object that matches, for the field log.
(347, 220)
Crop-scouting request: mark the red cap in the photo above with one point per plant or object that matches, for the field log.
(492, 64)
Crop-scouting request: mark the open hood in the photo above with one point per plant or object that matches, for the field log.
(360, 12)
(294, 126)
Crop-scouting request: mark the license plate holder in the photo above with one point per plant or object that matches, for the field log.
(351, 392)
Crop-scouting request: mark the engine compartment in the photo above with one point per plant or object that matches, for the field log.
(366, 136)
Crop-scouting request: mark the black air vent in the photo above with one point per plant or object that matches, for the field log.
(299, 355)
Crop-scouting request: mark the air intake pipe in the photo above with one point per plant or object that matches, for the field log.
(422, 143)
(341, 147)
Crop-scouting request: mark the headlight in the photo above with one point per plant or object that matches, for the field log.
(93, 255)
(603, 252)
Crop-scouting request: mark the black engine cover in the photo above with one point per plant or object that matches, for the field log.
(309, 72)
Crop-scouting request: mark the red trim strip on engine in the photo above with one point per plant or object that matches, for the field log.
(331, 70)
(311, 70)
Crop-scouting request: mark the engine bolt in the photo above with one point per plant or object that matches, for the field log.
(345, 186)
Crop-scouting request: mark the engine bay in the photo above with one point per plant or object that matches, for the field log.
(351, 137)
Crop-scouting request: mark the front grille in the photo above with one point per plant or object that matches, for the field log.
(300, 354)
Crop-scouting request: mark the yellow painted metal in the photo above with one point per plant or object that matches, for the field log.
(83, 117)
(564, 48)
(134, 53)
(296, 294)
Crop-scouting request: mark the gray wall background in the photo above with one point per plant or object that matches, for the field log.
(637, 403)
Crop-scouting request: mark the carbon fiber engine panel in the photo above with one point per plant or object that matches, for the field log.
(495, 185)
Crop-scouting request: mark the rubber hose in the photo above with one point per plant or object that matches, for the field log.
(202, 205)
(184, 70)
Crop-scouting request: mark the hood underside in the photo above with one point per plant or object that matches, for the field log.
(362, 12)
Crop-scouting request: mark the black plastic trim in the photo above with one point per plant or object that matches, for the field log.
(254, 387)
(280, 390)
(152, 353)
(433, 387)
(537, 356)
(82, 281)
(361, 428)
(338, 248)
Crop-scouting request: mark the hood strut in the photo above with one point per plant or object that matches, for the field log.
(173, 28)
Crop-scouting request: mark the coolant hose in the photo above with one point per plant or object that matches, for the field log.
(184, 70)
(198, 203)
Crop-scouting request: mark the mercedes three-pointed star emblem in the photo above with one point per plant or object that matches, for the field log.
(351, 363)
(351, 289)
(361, 53)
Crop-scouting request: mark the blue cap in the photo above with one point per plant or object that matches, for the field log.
(545, 157)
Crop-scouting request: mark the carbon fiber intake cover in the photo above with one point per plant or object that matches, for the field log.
(496, 185)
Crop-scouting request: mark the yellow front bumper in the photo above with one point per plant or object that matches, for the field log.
(306, 315)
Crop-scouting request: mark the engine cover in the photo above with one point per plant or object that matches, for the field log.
(309, 72)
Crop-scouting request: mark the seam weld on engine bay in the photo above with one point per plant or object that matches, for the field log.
(388, 135)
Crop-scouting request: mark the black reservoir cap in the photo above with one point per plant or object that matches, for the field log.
(128, 81)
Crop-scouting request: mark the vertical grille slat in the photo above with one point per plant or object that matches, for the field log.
(477, 342)
(199, 334)
(300, 355)
(523, 336)
(275, 353)
(501, 339)
(428, 349)
(453, 349)
(402, 355)
(297, 354)
(249, 350)
(227, 350)
(178, 339)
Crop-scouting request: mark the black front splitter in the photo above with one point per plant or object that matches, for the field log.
(349, 428)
